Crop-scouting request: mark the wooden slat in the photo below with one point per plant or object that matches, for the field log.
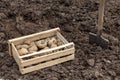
(47, 64)
(15, 54)
(62, 38)
(10, 49)
(35, 36)
(48, 57)
(48, 50)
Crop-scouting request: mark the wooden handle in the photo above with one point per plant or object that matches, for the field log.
(101, 15)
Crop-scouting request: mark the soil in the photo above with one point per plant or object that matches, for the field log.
(76, 18)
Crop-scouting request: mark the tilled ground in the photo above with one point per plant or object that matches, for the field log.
(76, 18)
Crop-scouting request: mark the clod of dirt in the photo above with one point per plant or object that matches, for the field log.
(2, 15)
(107, 78)
(2, 54)
(117, 78)
(91, 62)
(98, 74)
(68, 28)
(27, 27)
(112, 73)
(87, 74)
(1, 48)
(2, 35)
(19, 18)
(112, 39)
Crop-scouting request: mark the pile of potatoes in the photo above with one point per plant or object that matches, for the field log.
(34, 46)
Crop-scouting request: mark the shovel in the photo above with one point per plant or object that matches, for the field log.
(98, 38)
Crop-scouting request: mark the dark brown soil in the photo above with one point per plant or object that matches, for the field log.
(76, 18)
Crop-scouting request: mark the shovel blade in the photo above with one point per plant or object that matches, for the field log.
(99, 40)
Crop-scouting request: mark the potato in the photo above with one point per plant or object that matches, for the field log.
(25, 46)
(48, 39)
(32, 44)
(22, 46)
(23, 51)
(33, 48)
(41, 44)
(32, 51)
(59, 42)
(18, 46)
(53, 45)
(27, 42)
(45, 48)
(52, 41)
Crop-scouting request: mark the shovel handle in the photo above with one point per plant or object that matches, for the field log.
(101, 15)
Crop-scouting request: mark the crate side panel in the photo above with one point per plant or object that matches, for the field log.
(47, 64)
(35, 34)
(15, 54)
(59, 35)
(33, 38)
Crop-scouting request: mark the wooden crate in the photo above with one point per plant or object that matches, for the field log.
(32, 64)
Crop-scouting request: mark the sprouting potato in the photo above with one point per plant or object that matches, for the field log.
(23, 51)
(41, 43)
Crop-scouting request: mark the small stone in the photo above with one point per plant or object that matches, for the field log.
(117, 78)
(2, 15)
(119, 22)
(107, 61)
(19, 18)
(91, 62)
(112, 73)
(107, 78)
(2, 35)
(63, 14)
(1, 54)
(98, 74)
